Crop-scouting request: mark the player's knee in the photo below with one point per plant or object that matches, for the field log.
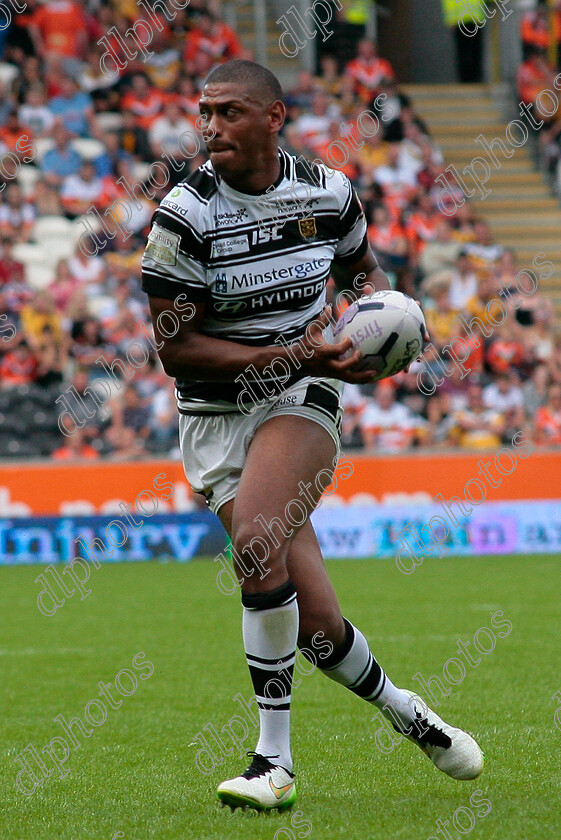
(253, 553)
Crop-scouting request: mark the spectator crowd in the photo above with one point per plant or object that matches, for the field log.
(93, 130)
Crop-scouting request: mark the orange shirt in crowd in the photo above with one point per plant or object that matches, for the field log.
(145, 110)
(531, 79)
(336, 156)
(369, 74)
(548, 424)
(15, 370)
(535, 30)
(385, 237)
(503, 355)
(222, 45)
(67, 453)
(420, 229)
(62, 25)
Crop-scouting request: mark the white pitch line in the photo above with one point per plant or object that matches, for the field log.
(43, 651)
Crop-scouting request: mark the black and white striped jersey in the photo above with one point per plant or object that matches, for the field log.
(259, 262)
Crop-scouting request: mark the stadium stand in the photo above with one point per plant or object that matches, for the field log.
(69, 276)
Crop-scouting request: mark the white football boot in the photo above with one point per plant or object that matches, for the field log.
(450, 749)
(263, 786)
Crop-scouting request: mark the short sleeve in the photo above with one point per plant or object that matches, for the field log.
(353, 241)
(174, 259)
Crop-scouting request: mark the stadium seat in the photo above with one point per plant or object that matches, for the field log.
(49, 227)
(109, 121)
(44, 421)
(11, 448)
(88, 147)
(27, 178)
(99, 304)
(9, 424)
(83, 224)
(40, 275)
(8, 73)
(43, 145)
(29, 253)
(59, 248)
(141, 170)
(39, 261)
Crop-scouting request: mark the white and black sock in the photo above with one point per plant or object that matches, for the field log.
(354, 666)
(270, 633)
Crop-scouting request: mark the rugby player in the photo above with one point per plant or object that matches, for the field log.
(255, 281)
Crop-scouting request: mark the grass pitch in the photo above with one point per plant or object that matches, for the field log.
(135, 777)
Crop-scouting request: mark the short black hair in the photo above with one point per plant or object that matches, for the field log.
(253, 76)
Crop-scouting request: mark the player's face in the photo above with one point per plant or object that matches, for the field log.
(237, 128)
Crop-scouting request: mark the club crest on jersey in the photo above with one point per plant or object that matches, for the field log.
(307, 227)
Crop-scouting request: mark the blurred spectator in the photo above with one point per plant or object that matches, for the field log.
(83, 190)
(210, 42)
(477, 427)
(505, 351)
(442, 319)
(463, 282)
(142, 100)
(368, 70)
(59, 28)
(164, 65)
(533, 76)
(75, 448)
(34, 115)
(386, 425)
(299, 98)
(133, 138)
(39, 313)
(354, 403)
(52, 358)
(554, 364)
(388, 239)
(535, 390)
(29, 77)
(11, 270)
(130, 426)
(163, 420)
(313, 127)
(535, 29)
(46, 199)
(63, 286)
(548, 419)
(73, 109)
(16, 215)
(505, 396)
(88, 342)
(88, 271)
(538, 337)
(167, 130)
(442, 251)
(397, 181)
(18, 366)
(62, 160)
(12, 134)
(483, 251)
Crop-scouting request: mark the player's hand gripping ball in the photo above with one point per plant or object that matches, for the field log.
(387, 328)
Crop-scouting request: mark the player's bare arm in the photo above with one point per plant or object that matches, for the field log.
(360, 275)
(191, 354)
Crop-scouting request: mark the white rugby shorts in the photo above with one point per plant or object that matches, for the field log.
(214, 447)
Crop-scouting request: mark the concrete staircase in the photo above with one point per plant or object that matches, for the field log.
(521, 210)
(240, 14)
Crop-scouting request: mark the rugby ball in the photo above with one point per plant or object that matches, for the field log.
(387, 327)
